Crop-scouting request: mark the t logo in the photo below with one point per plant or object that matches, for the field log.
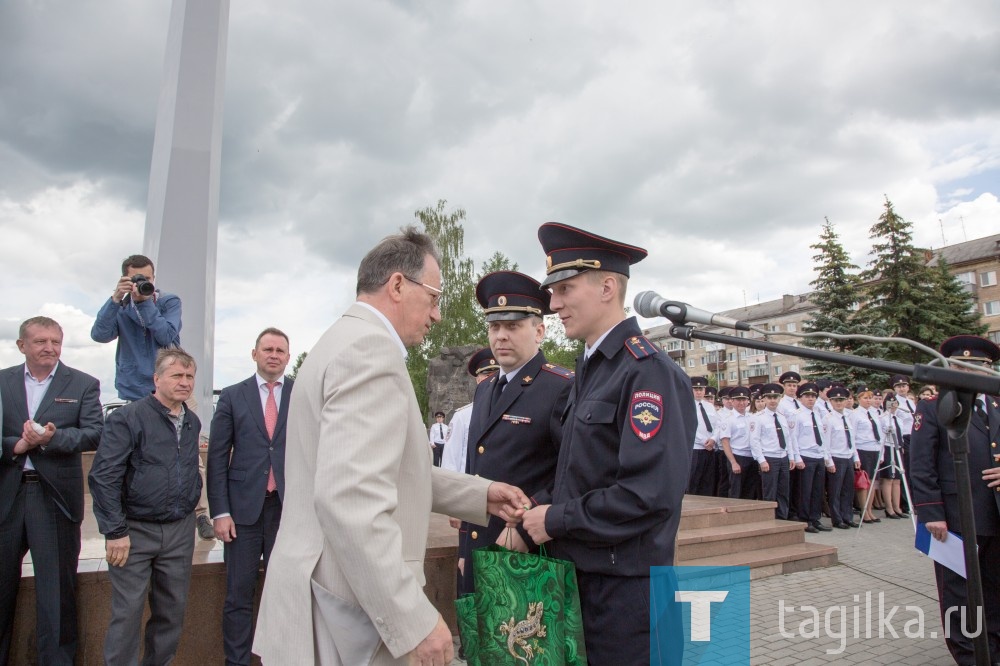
(701, 611)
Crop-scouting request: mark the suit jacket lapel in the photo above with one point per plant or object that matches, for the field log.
(14, 380)
(514, 389)
(59, 382)
(286, 397)
(251, 393)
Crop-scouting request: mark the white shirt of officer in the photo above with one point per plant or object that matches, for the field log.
(764, 437)
(702, 435)
(864, 434)
(838, 425)
(737, 430)
(805, 434)
(890, 419)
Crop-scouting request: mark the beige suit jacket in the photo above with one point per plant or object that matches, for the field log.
(360, 488)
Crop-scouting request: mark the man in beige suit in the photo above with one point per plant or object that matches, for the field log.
(345, 581)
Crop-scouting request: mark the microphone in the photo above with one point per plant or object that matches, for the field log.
(651, 304)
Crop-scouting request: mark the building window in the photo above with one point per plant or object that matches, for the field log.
(969, 277)
(790, 327)
(994, 337)
(773, 328)
(988, 279)
(690, 362)
(991, 308)
(732, 375)
(794, 368)
(745, 374)
(777, 371)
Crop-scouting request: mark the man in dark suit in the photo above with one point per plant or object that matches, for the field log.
(935, 499)
(246, 481)
(514, 429)
(51, 413)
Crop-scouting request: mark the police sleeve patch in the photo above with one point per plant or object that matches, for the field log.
(646, 414)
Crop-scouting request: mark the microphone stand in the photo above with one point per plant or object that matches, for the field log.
(958, 391)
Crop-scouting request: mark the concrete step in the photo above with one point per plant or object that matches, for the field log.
(699, 512)
(740, 538)
(767, 562)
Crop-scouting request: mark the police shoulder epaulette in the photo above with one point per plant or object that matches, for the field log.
(640, 347)
(558, 370)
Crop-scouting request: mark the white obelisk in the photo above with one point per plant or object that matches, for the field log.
(182, 215)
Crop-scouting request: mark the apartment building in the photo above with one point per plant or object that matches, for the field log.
(975, 263)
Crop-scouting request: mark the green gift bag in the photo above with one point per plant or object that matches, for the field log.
(526, 610)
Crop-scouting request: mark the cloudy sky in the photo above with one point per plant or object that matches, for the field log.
(718, 135)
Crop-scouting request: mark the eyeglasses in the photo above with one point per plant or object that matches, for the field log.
(435, 292)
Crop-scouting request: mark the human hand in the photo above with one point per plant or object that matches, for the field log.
(123, 288)
(736, 467)
(117, 551)
(764, 466)
(455, 523)
(34, 438)
(534, 522)
(436, 649)
(225, 528)
(831, 468)
(857, 464)
(991, 476)
(938, 529)
(709, 444)
(800, 465)
(507, 502)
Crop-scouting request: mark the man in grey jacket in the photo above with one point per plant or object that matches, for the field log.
(145, 485)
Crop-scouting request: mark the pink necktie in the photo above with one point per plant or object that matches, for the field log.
(270, 421)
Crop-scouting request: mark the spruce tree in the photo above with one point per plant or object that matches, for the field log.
(954, 309)
(900, 287)
(836, 294)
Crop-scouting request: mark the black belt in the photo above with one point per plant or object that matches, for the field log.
(30, 476)
(270, 493)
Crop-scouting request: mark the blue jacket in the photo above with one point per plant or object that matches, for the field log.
(141, 471)
(142, 330)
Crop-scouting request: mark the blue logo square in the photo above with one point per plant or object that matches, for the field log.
(699, 615)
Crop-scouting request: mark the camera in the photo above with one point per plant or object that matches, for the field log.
(143, 285)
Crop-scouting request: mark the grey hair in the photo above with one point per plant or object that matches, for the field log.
(404, 253)
(169, 355)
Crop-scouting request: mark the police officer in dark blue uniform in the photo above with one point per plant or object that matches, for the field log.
(626, 443)
(932, 474)
(514, 429)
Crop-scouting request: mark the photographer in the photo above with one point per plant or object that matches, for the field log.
(144, 320)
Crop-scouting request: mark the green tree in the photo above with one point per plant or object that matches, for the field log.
(900, 295)
(957, 312)
(298, 364)
(461, 317)
(557, 347)
(836, 294)
(498, 262)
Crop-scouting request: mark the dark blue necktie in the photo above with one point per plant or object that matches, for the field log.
(777, 429)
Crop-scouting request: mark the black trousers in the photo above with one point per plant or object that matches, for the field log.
(722, 469)
(812, 479)
(952, 597)
(701, 480)
(615, 618)
(774, 485)
(746, 484)
(242, 571)
(34, 523)
(840, 491)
